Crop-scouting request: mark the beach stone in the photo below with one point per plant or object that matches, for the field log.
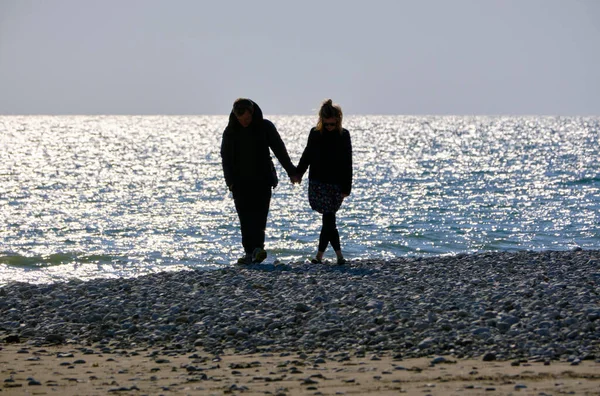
(489, 357)
(55, 339)
(426, 343)
(481, 330)
(503, 327)
(543, 332)
(12, 339)
(511, 320)
(232, 331)
(374, 304)
(300, 307)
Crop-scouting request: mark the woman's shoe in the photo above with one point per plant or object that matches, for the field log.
(316, 261)
(341, 261)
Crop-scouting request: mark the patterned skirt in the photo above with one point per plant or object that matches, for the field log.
(324, 197)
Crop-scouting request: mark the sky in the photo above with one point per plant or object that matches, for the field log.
(463, 57)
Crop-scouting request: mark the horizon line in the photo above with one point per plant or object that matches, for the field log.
(290, 115)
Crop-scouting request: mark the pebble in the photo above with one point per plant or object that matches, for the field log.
(517, 304)
(489, 357)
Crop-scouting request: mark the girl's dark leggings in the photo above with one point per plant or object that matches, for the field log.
(329, 233)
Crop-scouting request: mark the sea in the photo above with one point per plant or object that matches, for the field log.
(88, 197)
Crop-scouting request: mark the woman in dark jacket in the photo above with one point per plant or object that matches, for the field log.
(328, 153)
(249, 172)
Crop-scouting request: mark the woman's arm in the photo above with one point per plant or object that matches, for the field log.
(347, 163)
(307, 154)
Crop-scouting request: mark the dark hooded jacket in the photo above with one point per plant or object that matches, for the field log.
(245, 151)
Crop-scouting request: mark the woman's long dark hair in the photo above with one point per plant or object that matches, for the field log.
(330, 110)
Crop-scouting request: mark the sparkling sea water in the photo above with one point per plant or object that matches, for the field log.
(119, 196)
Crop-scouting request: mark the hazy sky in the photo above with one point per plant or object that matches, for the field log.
(372, 57)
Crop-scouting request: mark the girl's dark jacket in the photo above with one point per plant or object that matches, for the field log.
(329, 155)
(245, 151)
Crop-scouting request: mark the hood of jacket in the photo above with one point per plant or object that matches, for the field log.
(257, 118)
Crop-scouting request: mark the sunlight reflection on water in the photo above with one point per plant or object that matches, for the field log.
(106, 196)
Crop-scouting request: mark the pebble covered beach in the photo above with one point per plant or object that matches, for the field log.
(490, 306)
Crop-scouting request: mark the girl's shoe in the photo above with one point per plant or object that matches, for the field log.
(341, 261)
(316, 261)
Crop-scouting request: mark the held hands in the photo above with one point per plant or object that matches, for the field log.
(295, 179)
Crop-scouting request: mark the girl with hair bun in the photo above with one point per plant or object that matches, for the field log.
(328, 153)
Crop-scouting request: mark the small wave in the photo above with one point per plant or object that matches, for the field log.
(17, 260)
(584, 181)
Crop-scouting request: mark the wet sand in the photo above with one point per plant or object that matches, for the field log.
(77, 370)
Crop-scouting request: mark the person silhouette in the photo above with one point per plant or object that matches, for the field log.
(328, 153)
(249, 172)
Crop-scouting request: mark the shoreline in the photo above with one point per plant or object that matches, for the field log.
(273, 264)
(513, 316)
(328, 263)
(78, 370)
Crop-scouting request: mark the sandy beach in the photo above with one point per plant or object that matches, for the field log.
(77, 370)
